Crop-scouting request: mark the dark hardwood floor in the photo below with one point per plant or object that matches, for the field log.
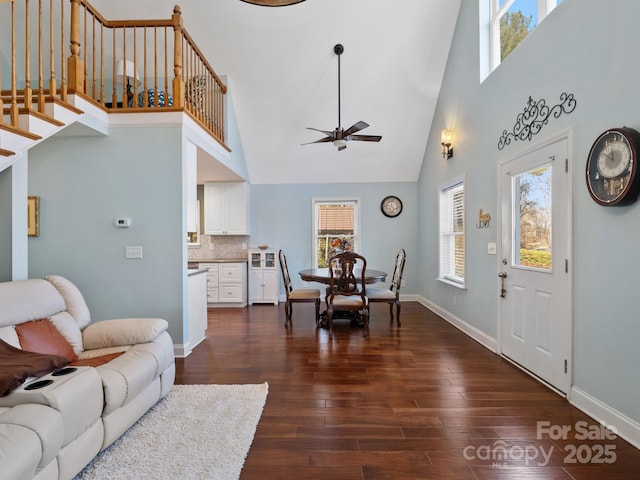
(420, 402)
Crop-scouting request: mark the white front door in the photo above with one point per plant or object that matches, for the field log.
(535, 284)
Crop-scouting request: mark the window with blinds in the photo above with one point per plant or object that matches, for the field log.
(452, 234)
(336, 229)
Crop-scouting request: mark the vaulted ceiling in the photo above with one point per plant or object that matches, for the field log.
(282, 75)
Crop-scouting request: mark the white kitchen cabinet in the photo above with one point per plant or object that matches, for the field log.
(226, 284)
(263, 277)
(226, 208)
(212, 281)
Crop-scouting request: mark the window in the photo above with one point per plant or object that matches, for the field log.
(532, 214)
(336, 229)
(452, 234)
(511, 21)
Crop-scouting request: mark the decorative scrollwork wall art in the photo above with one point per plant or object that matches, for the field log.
(536, 115)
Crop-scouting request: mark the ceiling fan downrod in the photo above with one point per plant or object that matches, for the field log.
(338, 50)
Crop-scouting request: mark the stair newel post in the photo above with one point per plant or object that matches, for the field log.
(75, 64)
(178, 80)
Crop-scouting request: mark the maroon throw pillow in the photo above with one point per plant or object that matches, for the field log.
(41, 336)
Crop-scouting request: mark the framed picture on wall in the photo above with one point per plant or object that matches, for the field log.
(33, 207)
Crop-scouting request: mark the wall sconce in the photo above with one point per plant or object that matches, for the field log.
(446, 139)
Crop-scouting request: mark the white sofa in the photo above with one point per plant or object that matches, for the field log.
(54, 431)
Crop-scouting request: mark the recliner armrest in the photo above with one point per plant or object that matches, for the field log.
(122, 331)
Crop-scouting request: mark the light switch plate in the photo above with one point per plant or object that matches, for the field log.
(133, 251)
(491, 248)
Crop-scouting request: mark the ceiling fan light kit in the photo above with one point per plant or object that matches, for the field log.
(340, 144)
(339, 137)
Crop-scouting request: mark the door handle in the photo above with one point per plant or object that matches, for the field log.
(502, 276)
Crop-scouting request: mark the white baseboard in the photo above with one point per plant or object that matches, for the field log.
(624, 426)
(476, 334)
(181, 350)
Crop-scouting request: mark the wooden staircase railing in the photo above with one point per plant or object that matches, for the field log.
(122, 65)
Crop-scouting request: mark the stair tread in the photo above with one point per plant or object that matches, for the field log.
(6, 153)
(6, 97)
(19, 131)
(35, 113)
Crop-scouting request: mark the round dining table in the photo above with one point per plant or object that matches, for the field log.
(321, 275)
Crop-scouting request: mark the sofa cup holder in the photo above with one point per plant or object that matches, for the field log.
(64, 371)
(38, 384)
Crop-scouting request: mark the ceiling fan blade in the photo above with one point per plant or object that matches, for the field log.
(326, 132)
(365, 138)
(322, 140)
(356, 127)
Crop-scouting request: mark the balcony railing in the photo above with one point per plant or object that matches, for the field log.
(121, 65)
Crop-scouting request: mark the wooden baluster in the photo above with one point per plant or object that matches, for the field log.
(13, 110)
(63, 66)
(94, 80)
(155, 66)
(28, 92)
(178, 80)
(114, 93)
(40, 74)
(166, 72)
(125, 96)
(135, 70)
(52, 66)
(145, 96)
(101, 63)
(85, 53)
(76, 67)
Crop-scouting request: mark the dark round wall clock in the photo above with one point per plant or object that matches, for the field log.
(391, 206)
(612, 167)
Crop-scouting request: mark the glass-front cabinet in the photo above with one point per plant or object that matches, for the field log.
(263, 277)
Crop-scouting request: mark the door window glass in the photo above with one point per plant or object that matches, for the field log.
(532, 225)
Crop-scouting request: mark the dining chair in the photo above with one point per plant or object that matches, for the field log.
(298, 295)
(390, 295)
(346, 291)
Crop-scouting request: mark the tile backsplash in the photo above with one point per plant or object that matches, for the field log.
(224, 246)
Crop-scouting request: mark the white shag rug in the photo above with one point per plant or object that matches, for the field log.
(197, 432)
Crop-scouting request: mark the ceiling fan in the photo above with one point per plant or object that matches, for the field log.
(339, 137)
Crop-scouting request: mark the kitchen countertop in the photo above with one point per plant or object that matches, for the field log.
(219, 260)
(196, 271)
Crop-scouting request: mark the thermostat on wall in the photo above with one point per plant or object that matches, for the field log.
(123, 222)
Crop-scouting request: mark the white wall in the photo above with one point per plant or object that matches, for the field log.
(586, 48)
(5, 225)
(282, 217)
(84, 184)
